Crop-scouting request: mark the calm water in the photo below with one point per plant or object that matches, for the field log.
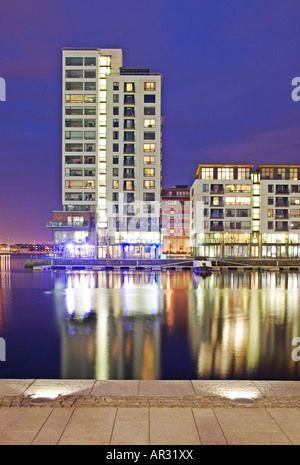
(148, 325)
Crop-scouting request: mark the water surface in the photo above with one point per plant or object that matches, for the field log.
(148, 325)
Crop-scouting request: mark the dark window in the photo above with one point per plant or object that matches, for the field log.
(115, 147)
(115, 110)
(128, 111)
(115, 123)
(149, 98)
(74, 61)
(149, 197)
(116, 98)
(128, 135)
(115, 160)
(128, 161)
(115, 135)
(115, 86)
(149, 110)
(128, 123)
(149, 135)
(128, 148)
(129, 99)
(270, 188)
(90, 61)
(115, 196)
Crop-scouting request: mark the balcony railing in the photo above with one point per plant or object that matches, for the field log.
(66, 225)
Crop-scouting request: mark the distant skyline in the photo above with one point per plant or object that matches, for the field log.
(226, 97)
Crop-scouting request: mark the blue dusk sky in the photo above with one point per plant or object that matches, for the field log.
(226, 98)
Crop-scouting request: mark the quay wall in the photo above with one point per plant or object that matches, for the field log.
(239, 263)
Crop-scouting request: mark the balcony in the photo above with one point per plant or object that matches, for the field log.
(284, 189)
(282, 202)
(216, 226)
(216, 214)
(67, 226)
(217, 189)
(282, 226)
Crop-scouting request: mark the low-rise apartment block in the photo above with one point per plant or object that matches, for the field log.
(237, 211)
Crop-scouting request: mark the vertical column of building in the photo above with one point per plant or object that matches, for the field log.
(255, 251)
(134, 161)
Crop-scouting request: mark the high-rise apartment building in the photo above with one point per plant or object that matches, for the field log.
(111, 157)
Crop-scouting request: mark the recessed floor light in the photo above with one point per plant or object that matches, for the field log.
(243, 400)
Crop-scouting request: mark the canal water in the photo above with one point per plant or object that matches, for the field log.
(148, 324)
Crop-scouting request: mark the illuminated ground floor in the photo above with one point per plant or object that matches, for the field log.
(244, 245)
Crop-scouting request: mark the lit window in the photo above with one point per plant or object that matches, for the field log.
(129, 86)
(149, 147)
(149, 160)
(243, 200)
(244, 173)
(267, 173)
(149, 123)
(89, 184)
(225, 173)
(149, 184)
(115, 184)
(207, 173)
(105, 61)
(229, 188)
(293, 174)
(149, 86)
(243, 188)
(270, 213)
(73, 98)
(230, 200)
(128, 185)
(90, 98)
(73, 184)
(149, 172)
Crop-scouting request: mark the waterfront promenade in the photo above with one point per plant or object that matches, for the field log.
(133, 412)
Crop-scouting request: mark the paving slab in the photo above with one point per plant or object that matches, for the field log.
(131, 427)
(229, 389)
(59, 387)
(208, 427)
(278, 388)
(53, 428)
(116, 388)
(288, 419)
(166, 388)
(250, 426)
(14, 387)
(174, 426)
(89, 426)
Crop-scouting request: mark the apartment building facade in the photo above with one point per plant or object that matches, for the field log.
(175, 220)
(111, 156)
(237, 211)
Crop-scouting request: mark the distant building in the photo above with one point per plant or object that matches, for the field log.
(239, 212)
(111, 157)
(175, 220)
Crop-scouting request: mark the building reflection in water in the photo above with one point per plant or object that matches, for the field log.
(5, 283)
(241, 325)
(110, 324)
(233, 325)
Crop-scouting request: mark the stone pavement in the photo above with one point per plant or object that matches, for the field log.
(133, 412)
